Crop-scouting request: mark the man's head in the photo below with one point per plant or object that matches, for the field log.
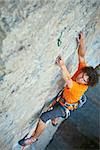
(88, 76)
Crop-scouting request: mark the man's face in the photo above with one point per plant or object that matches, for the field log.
(82, 78)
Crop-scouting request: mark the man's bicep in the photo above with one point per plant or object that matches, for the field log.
(82, 63)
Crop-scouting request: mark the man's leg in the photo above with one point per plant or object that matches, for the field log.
(54, 121)
(52, 114)
(39, 129)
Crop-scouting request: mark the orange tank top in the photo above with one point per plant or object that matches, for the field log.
(72, 95)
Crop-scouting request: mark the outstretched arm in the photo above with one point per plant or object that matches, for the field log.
(81, 48)
(66, 75)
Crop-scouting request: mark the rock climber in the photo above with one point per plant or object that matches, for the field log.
(75, 87)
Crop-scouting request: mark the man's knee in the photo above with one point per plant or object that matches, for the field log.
(41, 122)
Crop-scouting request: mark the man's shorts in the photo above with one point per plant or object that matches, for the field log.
(57, 111)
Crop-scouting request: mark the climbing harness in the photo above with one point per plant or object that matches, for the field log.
(56, 98)
(63, 102)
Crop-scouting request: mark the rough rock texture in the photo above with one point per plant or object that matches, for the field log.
(32, 34)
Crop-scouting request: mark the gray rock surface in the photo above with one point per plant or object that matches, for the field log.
(32, 34)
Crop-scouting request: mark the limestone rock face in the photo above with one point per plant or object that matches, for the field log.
(32, 34)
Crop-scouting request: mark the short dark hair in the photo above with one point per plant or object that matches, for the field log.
(93, 75)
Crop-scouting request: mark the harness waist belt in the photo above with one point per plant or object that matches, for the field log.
(63, 102)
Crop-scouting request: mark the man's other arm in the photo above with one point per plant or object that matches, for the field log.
(81, 48)
(65, 74)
